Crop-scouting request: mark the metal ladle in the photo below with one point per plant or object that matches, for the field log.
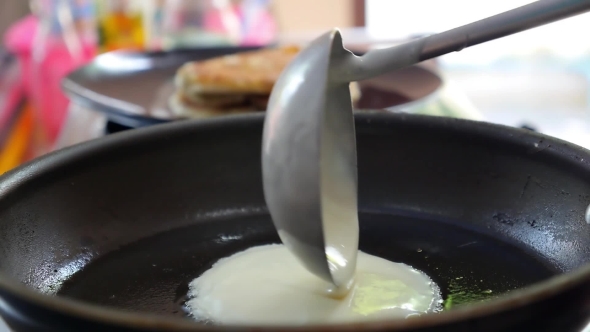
(309, 148)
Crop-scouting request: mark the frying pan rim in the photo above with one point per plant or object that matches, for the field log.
(12, 180)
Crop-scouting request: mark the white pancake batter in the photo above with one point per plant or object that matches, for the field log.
(268, 285)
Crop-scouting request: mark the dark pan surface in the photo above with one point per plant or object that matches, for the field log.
(152, 275)
(475, 200)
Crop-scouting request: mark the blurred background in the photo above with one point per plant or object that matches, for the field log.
(537, 80)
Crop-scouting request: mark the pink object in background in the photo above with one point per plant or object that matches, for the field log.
(249, 22)
(261, 29)
(44, 60)
(11, 92)
(18, 41)
(223, 18)
(47, 73)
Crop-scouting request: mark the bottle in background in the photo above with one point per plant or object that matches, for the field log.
(205, 23)
(121, 24)
(153, 21)
(183, 25)
(63, 41)
(258, 23)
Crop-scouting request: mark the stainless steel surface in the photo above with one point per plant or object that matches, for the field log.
(309, 148)
(309, 163)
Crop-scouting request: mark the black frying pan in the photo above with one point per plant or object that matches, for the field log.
(117, 227)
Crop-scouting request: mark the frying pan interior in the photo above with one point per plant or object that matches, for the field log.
(129, 220)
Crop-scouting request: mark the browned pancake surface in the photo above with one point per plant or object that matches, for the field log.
(253, 72)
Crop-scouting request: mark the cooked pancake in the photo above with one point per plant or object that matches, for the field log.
(233, 83)
(252, 72)
(217, 101)
(209, 105)
(182, 108)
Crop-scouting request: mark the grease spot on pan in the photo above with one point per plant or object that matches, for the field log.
(228, 238)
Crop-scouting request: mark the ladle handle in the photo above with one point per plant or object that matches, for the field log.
(376, 62)
(516, 20)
